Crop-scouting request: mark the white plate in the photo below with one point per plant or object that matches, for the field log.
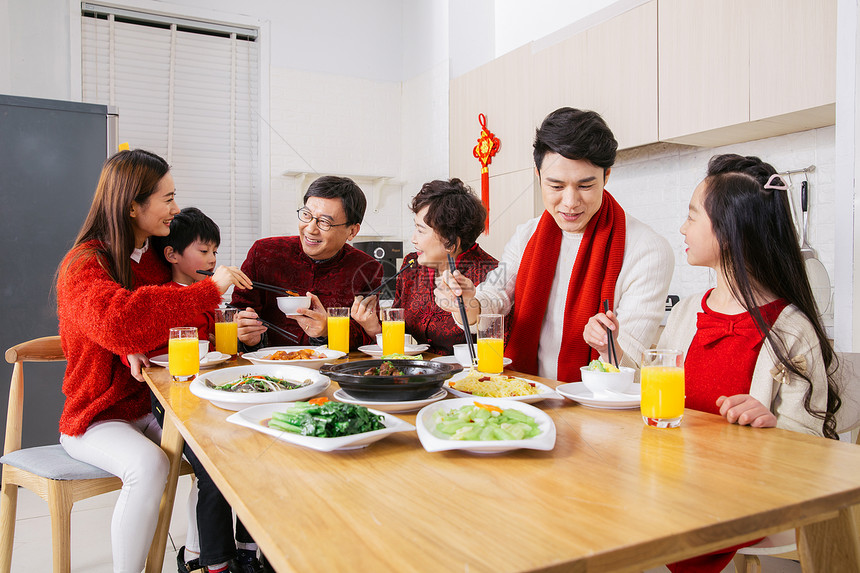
(392, 407)
(257, 356)
(255, 416)
(453, 360)
(434, 441)
(237, 401)
(208, 361)
(577, 392)
(544, 391)
(410, 349)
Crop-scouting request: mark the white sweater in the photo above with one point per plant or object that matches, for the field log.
(640, 291)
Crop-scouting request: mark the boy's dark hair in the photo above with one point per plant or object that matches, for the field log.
(187, 226)
(575, 134)
(343, 188)
(453, 211)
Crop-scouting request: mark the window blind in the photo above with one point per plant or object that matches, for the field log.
(191, 95)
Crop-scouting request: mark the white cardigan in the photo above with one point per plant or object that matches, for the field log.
(772, 384)
(640, 291)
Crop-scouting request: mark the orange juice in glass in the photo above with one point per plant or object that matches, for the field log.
(491, 346)
(226, 331)
(338, 328)
(662, 380)
(393, 331)
(183, 353)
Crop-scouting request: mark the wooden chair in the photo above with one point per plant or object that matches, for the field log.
(47, 471)
(783, 545)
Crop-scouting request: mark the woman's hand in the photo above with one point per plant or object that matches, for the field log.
(313, 320)
(595, 336)
(137, 362)
(745, 410)
(448, 287)
(365, 311)
(249, 329)
(225, 276)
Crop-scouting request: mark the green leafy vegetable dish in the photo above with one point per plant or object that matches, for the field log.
(326, 420)
(485, 422)
(259, 383)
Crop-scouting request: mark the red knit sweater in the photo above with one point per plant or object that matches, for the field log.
(100, 321)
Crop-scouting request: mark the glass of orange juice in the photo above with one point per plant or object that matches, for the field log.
(393, 331)
(183, 353)
(338, 328)
(491, 343)
(662, 379)
(226, 331)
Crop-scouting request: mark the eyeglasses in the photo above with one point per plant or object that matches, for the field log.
(305, 216)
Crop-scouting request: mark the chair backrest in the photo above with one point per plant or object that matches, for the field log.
(848, 381)
(45, 349)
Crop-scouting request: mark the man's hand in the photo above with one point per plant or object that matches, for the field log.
(313, 320)
(595, 336)
(249, 329)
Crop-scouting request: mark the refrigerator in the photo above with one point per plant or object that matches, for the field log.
(51, 154)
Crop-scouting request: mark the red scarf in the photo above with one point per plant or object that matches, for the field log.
(592, 280)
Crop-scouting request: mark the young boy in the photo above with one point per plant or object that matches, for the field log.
(192, 245)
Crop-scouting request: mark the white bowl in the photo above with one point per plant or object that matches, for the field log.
(605, 383)
(408, 338)
(203, 348)
(461, 352)
(290, 305)
(237, 401)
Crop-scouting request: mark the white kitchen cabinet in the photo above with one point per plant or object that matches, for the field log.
(792, 57)
(703, 52)
(739, 70)
(610, 68)
(502, 91)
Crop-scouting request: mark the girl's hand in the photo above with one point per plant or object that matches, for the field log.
(448, 287)
(313, 320)
(745, 410)
(594, 334)
(249, 329)
(225, 276)
(365, 312)
(137, 362)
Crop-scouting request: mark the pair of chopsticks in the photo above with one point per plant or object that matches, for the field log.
(408, 265)
(261, 286)
(613, 356)
(286, 334)
(463, 316)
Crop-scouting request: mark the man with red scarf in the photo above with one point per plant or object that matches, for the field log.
(561, 266)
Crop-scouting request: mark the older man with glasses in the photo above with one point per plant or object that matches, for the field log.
(317, 261)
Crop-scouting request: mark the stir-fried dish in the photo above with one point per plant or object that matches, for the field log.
(485, 422)
(324, 419)
(259, 383)
(384, 369)
(303, 354)
(494, 386)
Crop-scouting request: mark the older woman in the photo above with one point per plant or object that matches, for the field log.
(448, 220)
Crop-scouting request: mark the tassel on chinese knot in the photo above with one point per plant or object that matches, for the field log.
(488, 145)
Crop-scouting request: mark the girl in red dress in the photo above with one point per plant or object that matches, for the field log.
(756, 352)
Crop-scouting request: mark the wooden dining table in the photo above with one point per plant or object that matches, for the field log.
(612, 495)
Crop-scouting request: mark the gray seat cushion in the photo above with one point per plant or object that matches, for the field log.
(52, 462)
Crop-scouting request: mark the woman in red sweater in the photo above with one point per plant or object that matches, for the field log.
(111, 303)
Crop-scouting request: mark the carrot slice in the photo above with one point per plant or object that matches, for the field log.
(319, 401)
(489, 407)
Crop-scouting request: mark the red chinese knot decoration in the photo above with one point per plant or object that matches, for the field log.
(488, 146)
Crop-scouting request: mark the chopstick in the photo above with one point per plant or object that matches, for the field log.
(261, 286)
(408, 265)
(613, 356)
(286, 334)
(463, 316)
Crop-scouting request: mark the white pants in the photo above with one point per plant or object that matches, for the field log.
(131, 451)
